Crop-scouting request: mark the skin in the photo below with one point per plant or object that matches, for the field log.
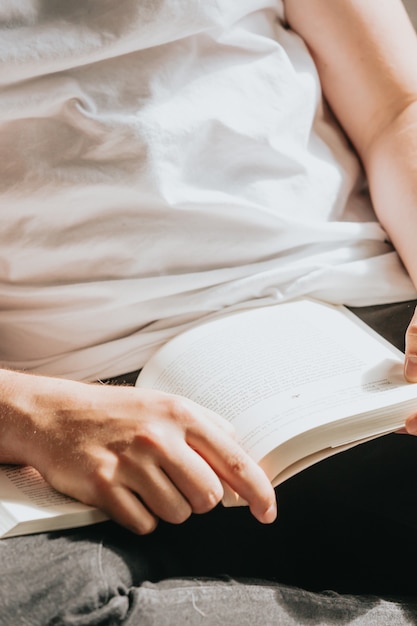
(363, 54)
(106, 445)
(142, 455)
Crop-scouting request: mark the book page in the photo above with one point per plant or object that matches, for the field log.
(27, 497)
(26, 483)
(279, 371)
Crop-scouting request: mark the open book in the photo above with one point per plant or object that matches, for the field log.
(300, 381)
(28, 504)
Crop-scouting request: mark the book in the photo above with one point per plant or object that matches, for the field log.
(28, 504)
(299, 381)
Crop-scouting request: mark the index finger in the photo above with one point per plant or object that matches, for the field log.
(410, 364)
(237, 469)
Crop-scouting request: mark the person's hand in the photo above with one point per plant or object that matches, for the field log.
(410, 366)
(137, 454)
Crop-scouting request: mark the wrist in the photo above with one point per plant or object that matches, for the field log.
(18, 417)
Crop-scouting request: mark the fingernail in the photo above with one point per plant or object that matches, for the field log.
(410, 368)
(270, 514)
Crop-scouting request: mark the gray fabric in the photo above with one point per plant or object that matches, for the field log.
(250, 603)
(348, 524)
(85, 583)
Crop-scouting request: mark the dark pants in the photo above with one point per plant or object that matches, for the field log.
(348, 524)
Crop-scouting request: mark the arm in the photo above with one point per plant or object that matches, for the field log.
(363, 51)
(137, 454)
(366, 55)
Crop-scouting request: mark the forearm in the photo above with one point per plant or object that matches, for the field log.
(16, 420)
(391, 166)
(29, 406)
(363, 52)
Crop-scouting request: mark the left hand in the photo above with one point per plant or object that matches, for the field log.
(410, 366)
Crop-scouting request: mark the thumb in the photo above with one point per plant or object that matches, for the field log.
(410, 425)
(410, 363)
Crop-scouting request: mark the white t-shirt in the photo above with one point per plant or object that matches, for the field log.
(161, 162)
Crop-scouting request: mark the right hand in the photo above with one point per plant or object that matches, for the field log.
(136, 454)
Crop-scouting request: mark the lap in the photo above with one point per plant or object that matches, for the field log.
(346, 524)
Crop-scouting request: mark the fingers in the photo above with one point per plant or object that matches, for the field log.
(171, 479)
(177, 471)
(125, 508)
(212, 439)
(162, 457)
(235, 467)
(205, 432)
(410, 364)
(194, 478)
(247, 479)
(411, 425)
(158, 492)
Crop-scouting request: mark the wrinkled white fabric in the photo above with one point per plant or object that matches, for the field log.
(162, 161)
